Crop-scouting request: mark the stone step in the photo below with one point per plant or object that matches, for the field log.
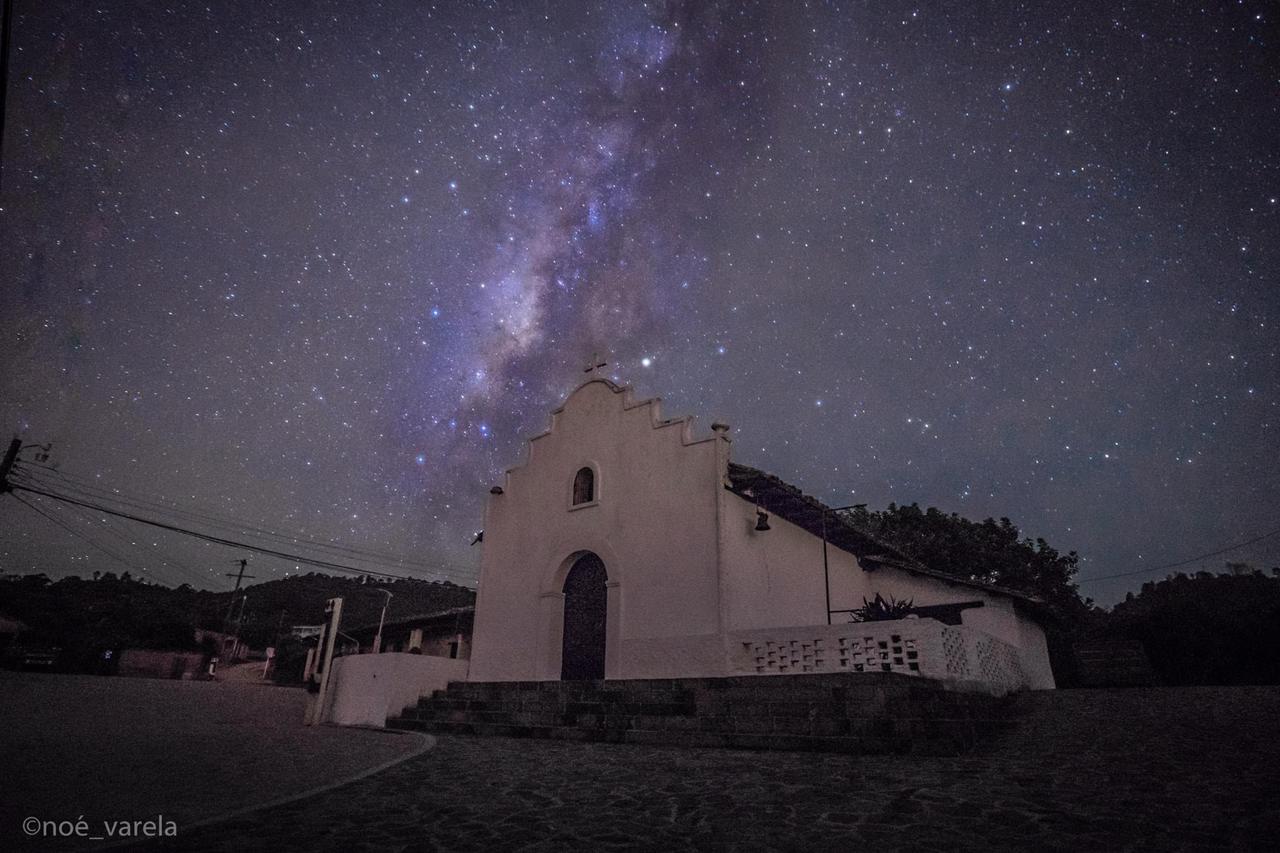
(771, 706)
(870, 743)
(823, 725)
(756, 691)
(864, 713)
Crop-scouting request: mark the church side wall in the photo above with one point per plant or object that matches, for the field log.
(652, 524)
(774, 579)
(1034, 650)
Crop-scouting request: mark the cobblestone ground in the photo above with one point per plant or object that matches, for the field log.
(1194, 769)
(134, 748)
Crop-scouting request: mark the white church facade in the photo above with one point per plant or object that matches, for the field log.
(627, 547)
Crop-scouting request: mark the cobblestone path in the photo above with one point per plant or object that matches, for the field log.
(1195, 769)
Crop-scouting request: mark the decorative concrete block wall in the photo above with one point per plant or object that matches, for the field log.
(918, 647)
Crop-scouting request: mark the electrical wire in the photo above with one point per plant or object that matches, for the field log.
(94, 492)
(106, 525)
(296, 558)
(97, 493)
(68, 528)
(1183, 562)
(89, 539)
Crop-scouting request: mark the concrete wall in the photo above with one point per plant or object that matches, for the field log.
(774, 579)
(653, 524)
(364, 690)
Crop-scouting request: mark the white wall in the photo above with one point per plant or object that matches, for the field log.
(653, 524)
(774, 578)
(364, 690)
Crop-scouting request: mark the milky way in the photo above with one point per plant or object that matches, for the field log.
(322, 267)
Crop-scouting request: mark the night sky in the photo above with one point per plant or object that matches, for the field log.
(321, 267)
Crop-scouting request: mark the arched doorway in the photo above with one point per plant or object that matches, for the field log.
(585, 605)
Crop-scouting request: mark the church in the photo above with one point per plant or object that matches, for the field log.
(629, 546)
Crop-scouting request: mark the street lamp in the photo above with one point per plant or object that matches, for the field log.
(377, 641)
(826, 569)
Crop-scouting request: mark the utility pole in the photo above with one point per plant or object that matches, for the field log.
(324, 654)
(10, 457)
(231, 605)
(377, 641)
(244, 603)
(280, 627)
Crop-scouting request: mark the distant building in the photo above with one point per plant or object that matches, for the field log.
(146, 663)
(442, 633)
(306, 632)
(628, 547)
(9, 631)
(228, 647)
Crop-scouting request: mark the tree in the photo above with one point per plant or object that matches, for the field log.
(990, 551)
(1206, 629)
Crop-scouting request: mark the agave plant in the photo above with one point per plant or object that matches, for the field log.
(881, 610)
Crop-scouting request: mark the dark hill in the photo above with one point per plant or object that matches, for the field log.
(84, 618)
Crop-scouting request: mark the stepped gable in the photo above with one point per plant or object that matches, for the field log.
(629, 402)
(865, 713)
(788, 502)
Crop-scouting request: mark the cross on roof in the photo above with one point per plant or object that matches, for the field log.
(596, 364)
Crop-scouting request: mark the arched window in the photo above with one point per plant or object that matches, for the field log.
(584, 486)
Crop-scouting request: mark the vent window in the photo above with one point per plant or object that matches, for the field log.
(584, 486)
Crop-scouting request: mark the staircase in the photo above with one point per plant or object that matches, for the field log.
(864, 713)
(1114, 663)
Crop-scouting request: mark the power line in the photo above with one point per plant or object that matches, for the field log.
(105, 525)
(98, 493)
(89, 540)
(1184, 562)
(296, 558)
(60, 523)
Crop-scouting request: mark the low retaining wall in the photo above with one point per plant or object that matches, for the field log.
(364, 690)
(145, 663)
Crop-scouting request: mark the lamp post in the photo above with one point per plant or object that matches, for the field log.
(826, 568)
(377, 641)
